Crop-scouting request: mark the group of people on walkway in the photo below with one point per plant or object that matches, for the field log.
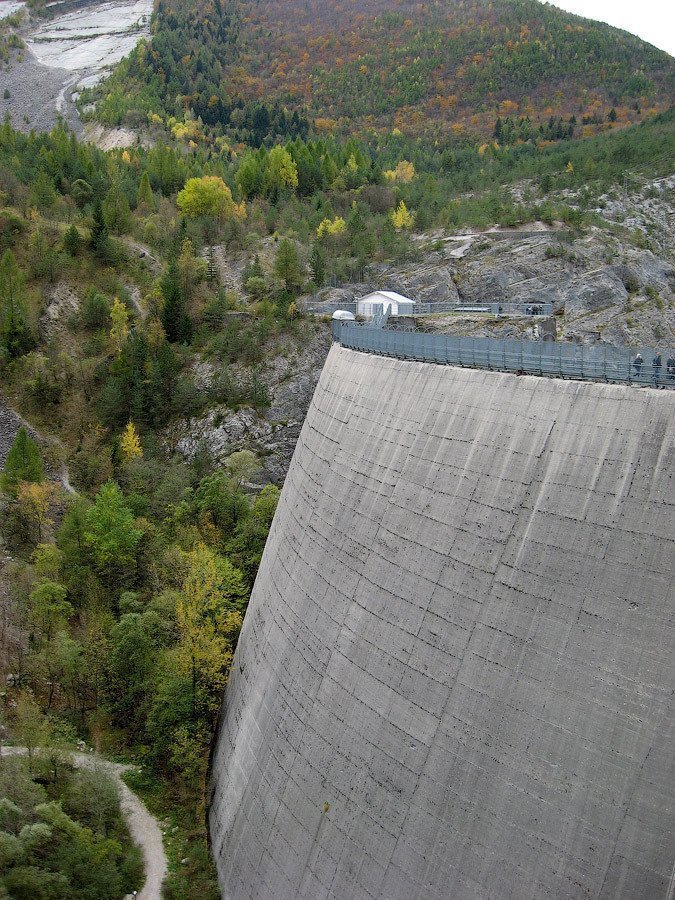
(639, 362)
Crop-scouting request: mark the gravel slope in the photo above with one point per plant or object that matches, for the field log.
(39, 95)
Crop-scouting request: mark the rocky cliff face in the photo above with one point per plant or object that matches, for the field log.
(290, 379)
(9, 425)
(613, 283)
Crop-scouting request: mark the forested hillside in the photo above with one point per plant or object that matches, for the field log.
(434, 69)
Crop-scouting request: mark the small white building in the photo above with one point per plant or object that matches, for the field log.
(397, 303)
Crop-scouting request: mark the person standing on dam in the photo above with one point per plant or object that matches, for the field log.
(656, 366)
(638, 363)
(670, 368)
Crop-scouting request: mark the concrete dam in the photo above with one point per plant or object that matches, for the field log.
(455, 676)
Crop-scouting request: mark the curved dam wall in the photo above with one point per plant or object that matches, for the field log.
(455, 676)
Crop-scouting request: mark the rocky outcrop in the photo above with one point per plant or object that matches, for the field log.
(9, 425)
(290, 379)
(429, 281)
(61, 303)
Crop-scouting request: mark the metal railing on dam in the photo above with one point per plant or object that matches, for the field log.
(637, 365)
(532, 308)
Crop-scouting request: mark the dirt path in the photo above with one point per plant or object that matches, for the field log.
(145, 253)
(135, 300)
(143, 827)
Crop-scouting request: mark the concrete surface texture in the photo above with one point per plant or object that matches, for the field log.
(455, 675)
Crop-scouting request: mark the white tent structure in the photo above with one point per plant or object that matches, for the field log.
(343, 315)
(398, 304)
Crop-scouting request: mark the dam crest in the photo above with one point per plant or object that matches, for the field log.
(454, 679)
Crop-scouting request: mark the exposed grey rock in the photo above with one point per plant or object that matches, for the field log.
(454, 676)
(9, 425)
(642, 269)
(594, 291)
(290, 378)
(61, 303)
(430, 281)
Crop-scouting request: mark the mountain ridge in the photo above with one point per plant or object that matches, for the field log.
(368, 66)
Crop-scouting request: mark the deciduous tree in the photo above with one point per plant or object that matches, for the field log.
(209, 196)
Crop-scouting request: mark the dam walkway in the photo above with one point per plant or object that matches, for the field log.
(641, 366)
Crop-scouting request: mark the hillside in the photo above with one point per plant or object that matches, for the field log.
(512, 69)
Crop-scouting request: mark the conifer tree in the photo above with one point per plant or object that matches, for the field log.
(119, 332)
(109, 533)
(99, 230)
(23, 463)
(15, 333)
(175, 321)
(130, 443)
(72, 240)
(317, 263)
(401, 217)
(287, 265)
(146, 199)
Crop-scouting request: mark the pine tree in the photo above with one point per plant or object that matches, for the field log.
(175, 321)
(146, 199)
(15, 332)
(72, 240)
(287, 265)
(23, 463)
(116, 211)
(317, 264)
(99, 230)
(119, 332)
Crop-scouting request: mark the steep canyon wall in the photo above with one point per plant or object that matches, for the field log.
(455, 675)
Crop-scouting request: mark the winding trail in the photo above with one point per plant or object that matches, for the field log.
(143, 827)
(144, 253)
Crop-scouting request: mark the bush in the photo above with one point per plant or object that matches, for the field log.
(95, 312)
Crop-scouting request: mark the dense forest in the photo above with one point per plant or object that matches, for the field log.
(428, 69)
(313, 153)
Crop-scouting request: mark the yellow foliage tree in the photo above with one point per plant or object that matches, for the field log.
(119, 331)
(34, 503)
(282, 171)
(207, 622)
(209, 196)
(130, 443)
(331, 226)
(404, 172)
(401, 217)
